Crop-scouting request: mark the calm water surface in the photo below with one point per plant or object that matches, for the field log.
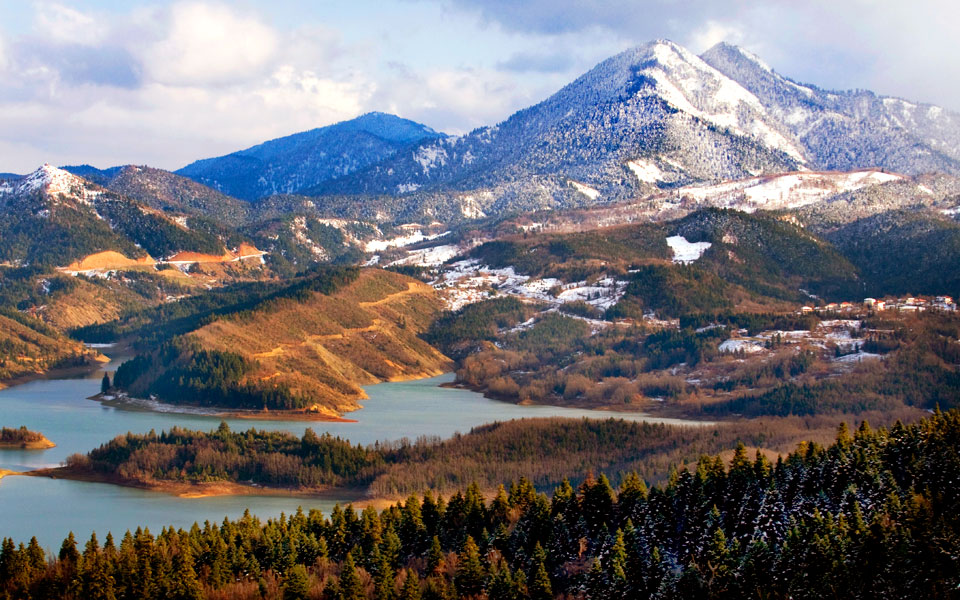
(59, 408)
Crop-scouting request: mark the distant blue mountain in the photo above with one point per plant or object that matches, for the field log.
(90, 173)
(303, 160)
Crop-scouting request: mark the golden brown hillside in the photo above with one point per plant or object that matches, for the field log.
(87, 303)
(328, 346)
(108, 259)
(29, 348)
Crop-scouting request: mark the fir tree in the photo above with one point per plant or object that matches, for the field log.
(350, 586)
(470, 576)
(411, 586)
(68, 550)
(539, 586)
(297, 584)
(185, 586)
(435, 557)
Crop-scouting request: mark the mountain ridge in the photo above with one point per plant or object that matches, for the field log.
(651, 118)
(53, 217)
(290, 163)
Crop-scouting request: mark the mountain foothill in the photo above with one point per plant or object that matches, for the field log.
(797, 193)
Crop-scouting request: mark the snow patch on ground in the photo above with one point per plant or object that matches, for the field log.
(413, 237)
(736, 345)
(470, 209)
(428, 257)
(789, 190)
(586, 190)
(685, 252)
(646, 171)
(299, 229)
(430, 157)
(857, 357)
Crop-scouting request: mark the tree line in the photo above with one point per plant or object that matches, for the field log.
(872, 515)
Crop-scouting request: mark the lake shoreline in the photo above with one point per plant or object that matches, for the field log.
(125, 402)
(94, 362)
(204, 489)
(657, 413)
(43, 444)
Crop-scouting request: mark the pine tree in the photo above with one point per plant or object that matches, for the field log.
(68, 550)
(105, 383)
(632, 496)
(297, 584)
(500, 508)
(470, 577)
(435, 557)
(436, 588)
(97, 581)
(351, 587)
(597, 587)
(540, 587)
(384, 577)
(185, 586)
(501, 584)
(615, 565)
(411, 586)
(36, 559)
(597, 502)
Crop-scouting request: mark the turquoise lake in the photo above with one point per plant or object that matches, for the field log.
(61, 410)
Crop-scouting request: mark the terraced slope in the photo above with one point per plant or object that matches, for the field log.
(28, 348)
(307, 351)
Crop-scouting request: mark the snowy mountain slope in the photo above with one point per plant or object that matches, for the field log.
(781, 191)
(653, 118)
(658, 103)
(847, 130)
(289, 164)
(937, 193)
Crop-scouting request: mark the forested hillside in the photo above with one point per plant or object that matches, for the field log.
(52, 218)
(545, 451)
(749, 259)
(903, 252)
(307, 344)
(871, 516)
(29, 347)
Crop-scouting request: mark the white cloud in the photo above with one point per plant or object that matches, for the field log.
(451, 100)
(208, 44)
(712, 33)
(165, 84)
(61, 23)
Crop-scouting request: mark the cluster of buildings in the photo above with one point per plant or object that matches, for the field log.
(906, 304)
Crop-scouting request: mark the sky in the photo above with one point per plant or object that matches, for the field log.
(110, 82)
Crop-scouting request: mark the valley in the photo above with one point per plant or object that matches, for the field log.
(705, 307)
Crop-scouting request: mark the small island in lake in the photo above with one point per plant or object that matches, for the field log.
(23, 438)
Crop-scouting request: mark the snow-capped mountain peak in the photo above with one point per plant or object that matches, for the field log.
(51, 181)
(844, 130)
(692, 86)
